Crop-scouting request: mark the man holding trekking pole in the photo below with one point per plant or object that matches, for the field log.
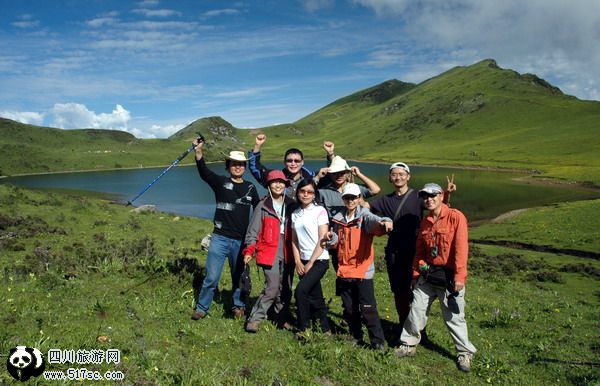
(235, 199)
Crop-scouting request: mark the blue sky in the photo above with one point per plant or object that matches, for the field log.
(151, 67)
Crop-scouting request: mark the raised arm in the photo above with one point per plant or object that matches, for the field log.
(370, 184)
(205, 173)
(258, 171)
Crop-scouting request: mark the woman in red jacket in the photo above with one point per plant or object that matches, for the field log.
(266, 239)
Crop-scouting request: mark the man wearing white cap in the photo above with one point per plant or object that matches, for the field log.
(235, 199)
(405, 207)
(439, 270)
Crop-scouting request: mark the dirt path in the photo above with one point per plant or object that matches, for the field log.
(539, 248)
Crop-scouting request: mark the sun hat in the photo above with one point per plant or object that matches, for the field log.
(351, 189)
(277, 175)
(338, 164)
(236, 155)
(431, 188)
(401, 165)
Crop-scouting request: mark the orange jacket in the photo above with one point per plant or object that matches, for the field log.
(450, 234)
(355, 242)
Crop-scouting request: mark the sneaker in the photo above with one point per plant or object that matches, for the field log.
(238, 313)
(252, 327)
(406, 351)
(464, 362)
(197, 315)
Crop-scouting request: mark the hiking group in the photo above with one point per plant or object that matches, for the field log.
(309, 218)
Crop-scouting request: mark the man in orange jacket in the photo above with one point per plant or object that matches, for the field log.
(439, 271)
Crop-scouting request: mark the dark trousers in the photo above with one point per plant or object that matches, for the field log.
(309, 297)
(286, 293)
(399, 268)
(358, 300)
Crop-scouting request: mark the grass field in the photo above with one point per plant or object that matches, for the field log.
(82, 273)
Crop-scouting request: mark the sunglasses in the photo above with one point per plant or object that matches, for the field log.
(349, 197)
(425, 196)
(293, 160)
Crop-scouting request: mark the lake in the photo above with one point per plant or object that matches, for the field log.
(481, 194)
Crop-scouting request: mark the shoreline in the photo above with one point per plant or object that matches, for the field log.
(534, 177)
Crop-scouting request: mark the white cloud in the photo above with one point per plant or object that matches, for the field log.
(101, 22)
(26, 24)
(245, 92)
(221, 12)
(77, 116)
(148, 3)
(28, 117)
(156, 12)
(157, 131)
(316, 5)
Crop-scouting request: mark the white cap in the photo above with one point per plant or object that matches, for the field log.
(351, 189)
(431, 188)
(401, 165)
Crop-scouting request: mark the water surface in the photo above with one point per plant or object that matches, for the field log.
(481, 194)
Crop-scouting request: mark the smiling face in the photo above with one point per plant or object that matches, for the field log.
(277, 188)
(294, 163)
(339, 178)
(432, 201)
(399, 178)
(236, 169)
(350, 201)
(306, 195)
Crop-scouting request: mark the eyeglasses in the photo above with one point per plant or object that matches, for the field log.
(349, 197)
(307, 192)
(401, 175)
(425, 196)
(293, 160)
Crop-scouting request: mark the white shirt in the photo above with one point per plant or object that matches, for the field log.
(306, 224)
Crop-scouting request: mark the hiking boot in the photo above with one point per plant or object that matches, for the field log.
(464, 362)
(378, 346)
(285, 326)
(197, 315)
(406, 351)
(238, 313)
(252, 327)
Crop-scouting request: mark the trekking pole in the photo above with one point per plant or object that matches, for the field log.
(181, 156)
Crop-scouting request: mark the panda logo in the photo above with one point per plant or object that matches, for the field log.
(24, 362)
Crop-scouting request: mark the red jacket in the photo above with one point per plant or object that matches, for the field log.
(450, 234)
(262, 237)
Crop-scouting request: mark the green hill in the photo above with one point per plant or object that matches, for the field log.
(33, 149)
(479, 115)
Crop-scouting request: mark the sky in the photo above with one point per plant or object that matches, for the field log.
(151, 67)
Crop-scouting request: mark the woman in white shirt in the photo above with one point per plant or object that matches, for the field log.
(310, 224)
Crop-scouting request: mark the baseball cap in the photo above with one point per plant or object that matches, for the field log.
(401, 165)
(351, 189)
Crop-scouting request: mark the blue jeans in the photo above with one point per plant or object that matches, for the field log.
(221, 247)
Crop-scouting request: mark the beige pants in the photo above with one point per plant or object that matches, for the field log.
(453, 312)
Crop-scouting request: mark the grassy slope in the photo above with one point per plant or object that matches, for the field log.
(33, 149)
(476, 116)
(76, 268)
(570, 225)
